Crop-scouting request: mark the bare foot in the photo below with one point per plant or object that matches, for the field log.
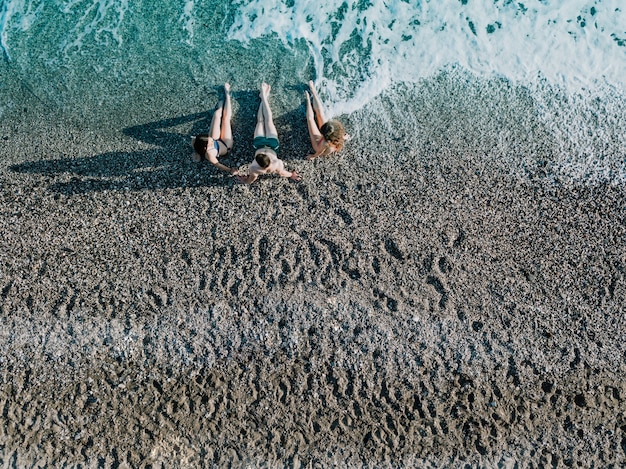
(227, 87)
(265, 90)
(312, 88)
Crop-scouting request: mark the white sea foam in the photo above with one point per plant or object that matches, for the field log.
(567, 52)
(187, 20)
(99, 21)
(590, 133)
(18, 14)
(360, 47)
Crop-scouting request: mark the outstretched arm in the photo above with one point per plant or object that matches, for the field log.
(217, 164)
(324, 151)
(290, 174)
(279, 168)
(249, 179)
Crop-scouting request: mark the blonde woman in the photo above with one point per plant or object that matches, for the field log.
(327, 136)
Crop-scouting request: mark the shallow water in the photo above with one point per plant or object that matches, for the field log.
(113, 63)
(447, 291)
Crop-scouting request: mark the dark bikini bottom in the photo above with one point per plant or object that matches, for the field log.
(266, 142)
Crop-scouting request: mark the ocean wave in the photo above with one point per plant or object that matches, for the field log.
(100, 21)
(17, 14)
(360, 47)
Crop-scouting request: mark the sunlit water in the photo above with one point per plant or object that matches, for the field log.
(98, 58)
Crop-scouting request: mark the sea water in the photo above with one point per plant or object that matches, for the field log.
(105, 61)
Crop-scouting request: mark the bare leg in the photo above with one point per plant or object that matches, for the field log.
(227, 131)
(317, 106)
(270, 128)
(314, 131)
(216, 121)
(259, 130)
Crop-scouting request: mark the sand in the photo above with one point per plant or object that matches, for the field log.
(413, 302)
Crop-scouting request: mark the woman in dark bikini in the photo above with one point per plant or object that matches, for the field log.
(327, 136)
(219, 141)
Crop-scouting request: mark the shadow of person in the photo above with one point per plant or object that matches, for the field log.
(169, 165)
(293, 134)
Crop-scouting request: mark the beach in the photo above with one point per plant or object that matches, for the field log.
(440, 293)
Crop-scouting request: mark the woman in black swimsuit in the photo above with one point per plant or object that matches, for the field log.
(220, 140)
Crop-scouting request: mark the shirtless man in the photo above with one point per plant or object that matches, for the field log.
(266, 144)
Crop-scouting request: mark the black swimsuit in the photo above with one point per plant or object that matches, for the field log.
(216, 145)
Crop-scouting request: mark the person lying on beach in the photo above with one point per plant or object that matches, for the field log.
(220, 140)
(266, 144)
(327, 136)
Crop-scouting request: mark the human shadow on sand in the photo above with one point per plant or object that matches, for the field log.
(169, 164)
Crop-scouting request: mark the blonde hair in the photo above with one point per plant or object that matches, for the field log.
(334, 132)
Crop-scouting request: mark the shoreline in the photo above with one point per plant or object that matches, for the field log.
(396, 307)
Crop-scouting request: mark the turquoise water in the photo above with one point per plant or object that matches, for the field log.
(112, 59)
(115, 63)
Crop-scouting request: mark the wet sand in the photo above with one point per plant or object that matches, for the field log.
(417, 301)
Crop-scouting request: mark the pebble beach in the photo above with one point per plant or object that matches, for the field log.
(427, 298)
